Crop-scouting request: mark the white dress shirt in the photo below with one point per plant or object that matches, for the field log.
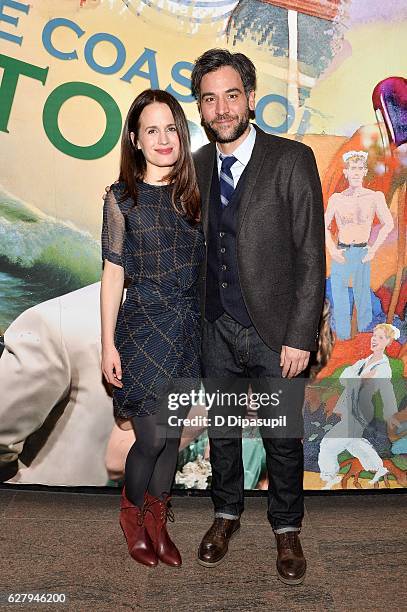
(243, 154)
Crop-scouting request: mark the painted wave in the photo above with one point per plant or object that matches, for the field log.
(41, 257)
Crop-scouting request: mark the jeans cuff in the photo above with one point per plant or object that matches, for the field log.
(226, 515)
(286, 529)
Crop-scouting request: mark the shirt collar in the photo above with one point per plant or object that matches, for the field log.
(384, 359)
(244, 151)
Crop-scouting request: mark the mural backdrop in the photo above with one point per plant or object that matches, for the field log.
(331, 74)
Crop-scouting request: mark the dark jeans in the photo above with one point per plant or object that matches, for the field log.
(231, 351)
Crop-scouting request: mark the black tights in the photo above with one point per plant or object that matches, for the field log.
(151, 461)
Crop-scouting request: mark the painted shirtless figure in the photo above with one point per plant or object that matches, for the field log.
(354, 210)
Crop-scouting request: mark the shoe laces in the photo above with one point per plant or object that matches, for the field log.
(219, 526)
(290, 540)
(167, 512)
(140, 513)
(140, 517)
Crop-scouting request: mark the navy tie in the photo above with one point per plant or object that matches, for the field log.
(226, 183)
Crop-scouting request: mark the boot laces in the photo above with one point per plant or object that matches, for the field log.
(170, 515)
(140, 513)
(167, 512)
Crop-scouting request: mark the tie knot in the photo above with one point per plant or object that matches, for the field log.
(227, 161)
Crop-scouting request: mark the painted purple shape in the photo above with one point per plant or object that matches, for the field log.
(390, 98)
(369, 11)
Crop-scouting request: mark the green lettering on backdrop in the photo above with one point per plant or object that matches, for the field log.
(12, 70)
(113, 120)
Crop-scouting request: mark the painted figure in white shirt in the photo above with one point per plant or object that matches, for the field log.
(361, 381)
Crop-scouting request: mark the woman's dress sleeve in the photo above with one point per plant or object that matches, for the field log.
(113, 229)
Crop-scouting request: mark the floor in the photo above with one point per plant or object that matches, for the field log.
(70, 543)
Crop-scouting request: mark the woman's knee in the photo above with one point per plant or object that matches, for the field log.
(150, 448)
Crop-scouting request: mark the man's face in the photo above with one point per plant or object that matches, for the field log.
(223, 104)
(379, 340)
(355, 172)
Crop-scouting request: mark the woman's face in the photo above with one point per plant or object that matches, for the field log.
(379, 340)
(157, 136)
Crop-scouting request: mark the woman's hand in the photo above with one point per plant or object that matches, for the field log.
(111, 366)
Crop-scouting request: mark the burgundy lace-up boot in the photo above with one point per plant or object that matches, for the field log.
(132, 522)
(157, 515)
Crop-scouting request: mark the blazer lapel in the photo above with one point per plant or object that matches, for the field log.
(252, 171)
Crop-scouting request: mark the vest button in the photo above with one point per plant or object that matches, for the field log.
(224, 285)
(223, 267)
(221, 234)
(223, 250)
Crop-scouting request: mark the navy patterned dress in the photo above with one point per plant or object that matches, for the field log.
(158, 325)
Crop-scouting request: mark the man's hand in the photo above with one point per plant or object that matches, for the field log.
(393, 422)
(369, 255)
(293, 361)
(338, 255)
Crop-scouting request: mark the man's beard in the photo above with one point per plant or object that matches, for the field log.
(238, 131)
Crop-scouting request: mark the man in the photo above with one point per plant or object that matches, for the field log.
(263, 288)
(354, 210)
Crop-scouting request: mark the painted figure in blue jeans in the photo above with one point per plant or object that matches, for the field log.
(262, 290)
(354, 210)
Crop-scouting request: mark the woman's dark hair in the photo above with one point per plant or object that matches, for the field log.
(213, 59)
(185, 195)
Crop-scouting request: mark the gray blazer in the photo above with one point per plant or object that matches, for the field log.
(280, 240)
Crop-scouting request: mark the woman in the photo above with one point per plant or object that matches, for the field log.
(151, 236)
(361, 380)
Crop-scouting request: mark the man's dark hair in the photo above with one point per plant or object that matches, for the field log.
(217, 58)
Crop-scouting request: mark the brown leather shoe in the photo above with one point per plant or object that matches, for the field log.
(215, 542)
(291, 563)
